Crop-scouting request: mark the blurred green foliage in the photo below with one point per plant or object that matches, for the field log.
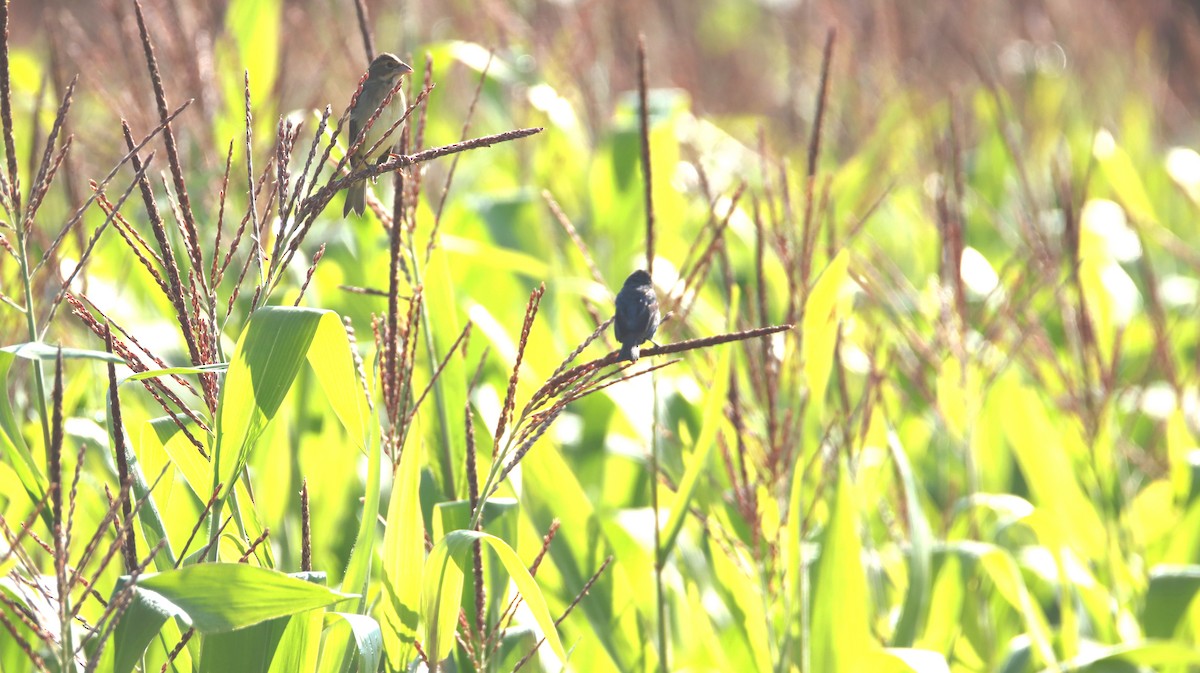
(974, 451)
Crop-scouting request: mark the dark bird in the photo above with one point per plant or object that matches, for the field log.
(636, 318)
(382, 76)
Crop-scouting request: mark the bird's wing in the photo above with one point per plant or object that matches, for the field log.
(353, 132)
(634, 318)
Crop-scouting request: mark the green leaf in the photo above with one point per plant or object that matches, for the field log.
(714, 405)
(500, 518)
(13, 444)
(1180, 445)
(1124, 178)
(441, 590)
(999, 565)
(153, 527)
(403, 560)
(793, 559)
(352, 643)
(250, 43)
(1043, 453)
(841, 633)
(171, 371)
(358, 569)
(277, 340)
(219, 597)
(1146, 655)
(299, 645)
(441, 328)
(197, 473)
(1172, 590)
(823, 314)
(245, 650)
(145, 616)
(551, 491)
(920, 553)
(36, 350)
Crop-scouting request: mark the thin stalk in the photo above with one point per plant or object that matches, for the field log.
(214, 528)
(31, 326)
(493, 471)
(659, 556)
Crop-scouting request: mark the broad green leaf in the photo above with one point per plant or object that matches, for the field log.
(219, 597)
(141, 621)
(441, 590)
(277, 340)
(441, 594)
(358, 570)
(1183, 545)
(1004, 573)
(500, 260)
(403, 560)
(450, 390)
(823, 314)
(841, 631)
(500, 518)
(714, 404)
(352, 643)
(747, 638)
(552, 491)
(13, 444)
(264, 364)
(246, 650)
(299, 645)
(1040, 450)
(153, 528)
(1147, 655)
(1172, 590)
(197, 473)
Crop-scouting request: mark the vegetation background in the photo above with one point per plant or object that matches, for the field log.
(926, 399)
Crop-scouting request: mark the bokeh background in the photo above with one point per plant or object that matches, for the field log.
(975, 450)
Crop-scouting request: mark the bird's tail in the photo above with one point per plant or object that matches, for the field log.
(356, 198)
(629, 352)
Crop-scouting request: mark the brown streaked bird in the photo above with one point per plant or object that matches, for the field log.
(636, 318)
(382, 76)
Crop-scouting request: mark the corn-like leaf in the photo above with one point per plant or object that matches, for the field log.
(822, 315)
(841, 633)
(299, 645)
(217, 597)
(442, 585)
(403, 560)
(277, 340)
(449, 394)
(352, 644)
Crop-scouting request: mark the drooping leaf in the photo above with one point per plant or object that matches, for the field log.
(217, 597)
(441, 590)
(353, 644)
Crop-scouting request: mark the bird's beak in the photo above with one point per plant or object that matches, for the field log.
(405, 69)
